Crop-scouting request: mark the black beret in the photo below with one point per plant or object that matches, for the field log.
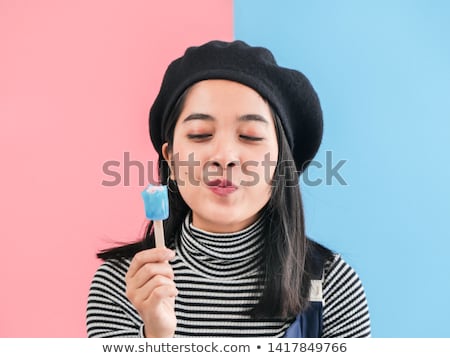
(288, 91)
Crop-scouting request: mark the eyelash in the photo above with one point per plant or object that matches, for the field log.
(198, 136)
(206, 136)
(253, 139)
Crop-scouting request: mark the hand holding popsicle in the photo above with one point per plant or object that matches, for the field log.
(149, 280)
(156, 202)
(151, 289)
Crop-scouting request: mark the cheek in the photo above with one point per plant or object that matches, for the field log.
(181, 154)
(266, 161)
(187, 167)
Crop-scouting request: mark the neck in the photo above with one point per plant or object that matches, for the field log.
(223, 227)
(225, 255)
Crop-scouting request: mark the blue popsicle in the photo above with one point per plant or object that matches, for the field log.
(156, 203)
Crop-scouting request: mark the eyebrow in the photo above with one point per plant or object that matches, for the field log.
(253, 117)
(201, 116)
(243, 118)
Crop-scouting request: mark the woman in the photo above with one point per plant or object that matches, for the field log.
(233, 131)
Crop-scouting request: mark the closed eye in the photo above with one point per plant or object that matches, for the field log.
(199, 136)
(251, 138)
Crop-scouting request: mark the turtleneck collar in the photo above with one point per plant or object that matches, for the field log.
(225, 256)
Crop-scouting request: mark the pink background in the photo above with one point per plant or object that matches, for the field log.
(76, 82)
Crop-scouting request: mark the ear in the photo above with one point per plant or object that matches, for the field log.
(165, 152)
(167, 155)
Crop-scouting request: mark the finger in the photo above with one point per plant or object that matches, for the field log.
(148, 271)
(147, 256)
(146, 292)
(161, 293)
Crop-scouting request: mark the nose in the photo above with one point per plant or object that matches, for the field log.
(224, 155)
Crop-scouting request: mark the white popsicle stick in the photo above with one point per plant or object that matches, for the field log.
(159, 233)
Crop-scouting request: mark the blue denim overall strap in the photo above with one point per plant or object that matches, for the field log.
(307, 324)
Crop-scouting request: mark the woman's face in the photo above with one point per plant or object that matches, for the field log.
(224, 154)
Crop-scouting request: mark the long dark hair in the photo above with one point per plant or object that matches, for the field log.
(291, 260)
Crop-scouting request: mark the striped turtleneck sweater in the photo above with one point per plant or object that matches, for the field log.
(217, 280)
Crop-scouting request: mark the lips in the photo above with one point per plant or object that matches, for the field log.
(222, 183)
(222, 187)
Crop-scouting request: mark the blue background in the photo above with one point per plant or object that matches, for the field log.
(382, 72)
